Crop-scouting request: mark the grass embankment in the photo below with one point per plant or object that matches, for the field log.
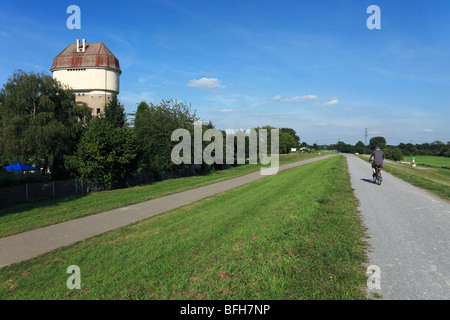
(429, 161)
(435, 180)
(23, 217)
(294, 235)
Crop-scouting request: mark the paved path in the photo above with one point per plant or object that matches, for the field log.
(409, 235)
(30, 244)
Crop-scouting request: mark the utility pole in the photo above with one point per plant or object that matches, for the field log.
(365, 135)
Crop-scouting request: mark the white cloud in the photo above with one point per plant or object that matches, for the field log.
(206, 83)
(329, 103)
(427, 130)
(296, 99)
(227, 110)
(373, 132)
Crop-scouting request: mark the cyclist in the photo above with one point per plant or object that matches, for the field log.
(378, 157)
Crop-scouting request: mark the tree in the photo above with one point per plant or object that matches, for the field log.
(397, 154)
(377, 141)
(407, 149)
(286, 142)
(40, 122)
(344, 147)
(360, 147)
(107, 153)
(154, 125)
(264, 135)
(293, 134)
(115, 112)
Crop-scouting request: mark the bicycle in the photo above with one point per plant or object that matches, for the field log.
(377, 178)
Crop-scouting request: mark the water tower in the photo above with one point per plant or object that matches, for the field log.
(91, 70)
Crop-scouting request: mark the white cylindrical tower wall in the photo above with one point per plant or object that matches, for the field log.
(89, 79)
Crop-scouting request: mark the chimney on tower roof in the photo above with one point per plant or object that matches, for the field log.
(81, 47)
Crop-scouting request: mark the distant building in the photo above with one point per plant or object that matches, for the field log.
(91, 70)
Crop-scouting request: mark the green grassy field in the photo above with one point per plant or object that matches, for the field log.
(22, 217)
(294, 235)
(431, 161)
(434, 180)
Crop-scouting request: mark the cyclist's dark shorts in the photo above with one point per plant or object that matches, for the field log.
(374, 165)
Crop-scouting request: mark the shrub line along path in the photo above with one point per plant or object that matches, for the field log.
(30, 244)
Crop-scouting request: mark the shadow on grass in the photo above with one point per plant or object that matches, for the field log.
(15, 208)
(21, 207)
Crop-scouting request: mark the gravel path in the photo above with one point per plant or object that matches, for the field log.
(409, 235)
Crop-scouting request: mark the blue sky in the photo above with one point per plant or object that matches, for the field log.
(310, 65)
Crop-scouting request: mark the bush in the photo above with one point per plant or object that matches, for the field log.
(107, 153)
(397, 155)
(387, 153)
(8, 179)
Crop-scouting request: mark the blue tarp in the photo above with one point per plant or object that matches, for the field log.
(19, 167)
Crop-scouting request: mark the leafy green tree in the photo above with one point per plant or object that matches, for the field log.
(115, 112)
(154, 125)
(408, 148)
(344, 147)
(286, 142)
(293, 134)
(397, 154)
(142, 129)
(360, 147)
(377, 141)
(40, 122)
(107, 153)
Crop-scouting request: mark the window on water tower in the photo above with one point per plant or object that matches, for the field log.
(98, 110)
